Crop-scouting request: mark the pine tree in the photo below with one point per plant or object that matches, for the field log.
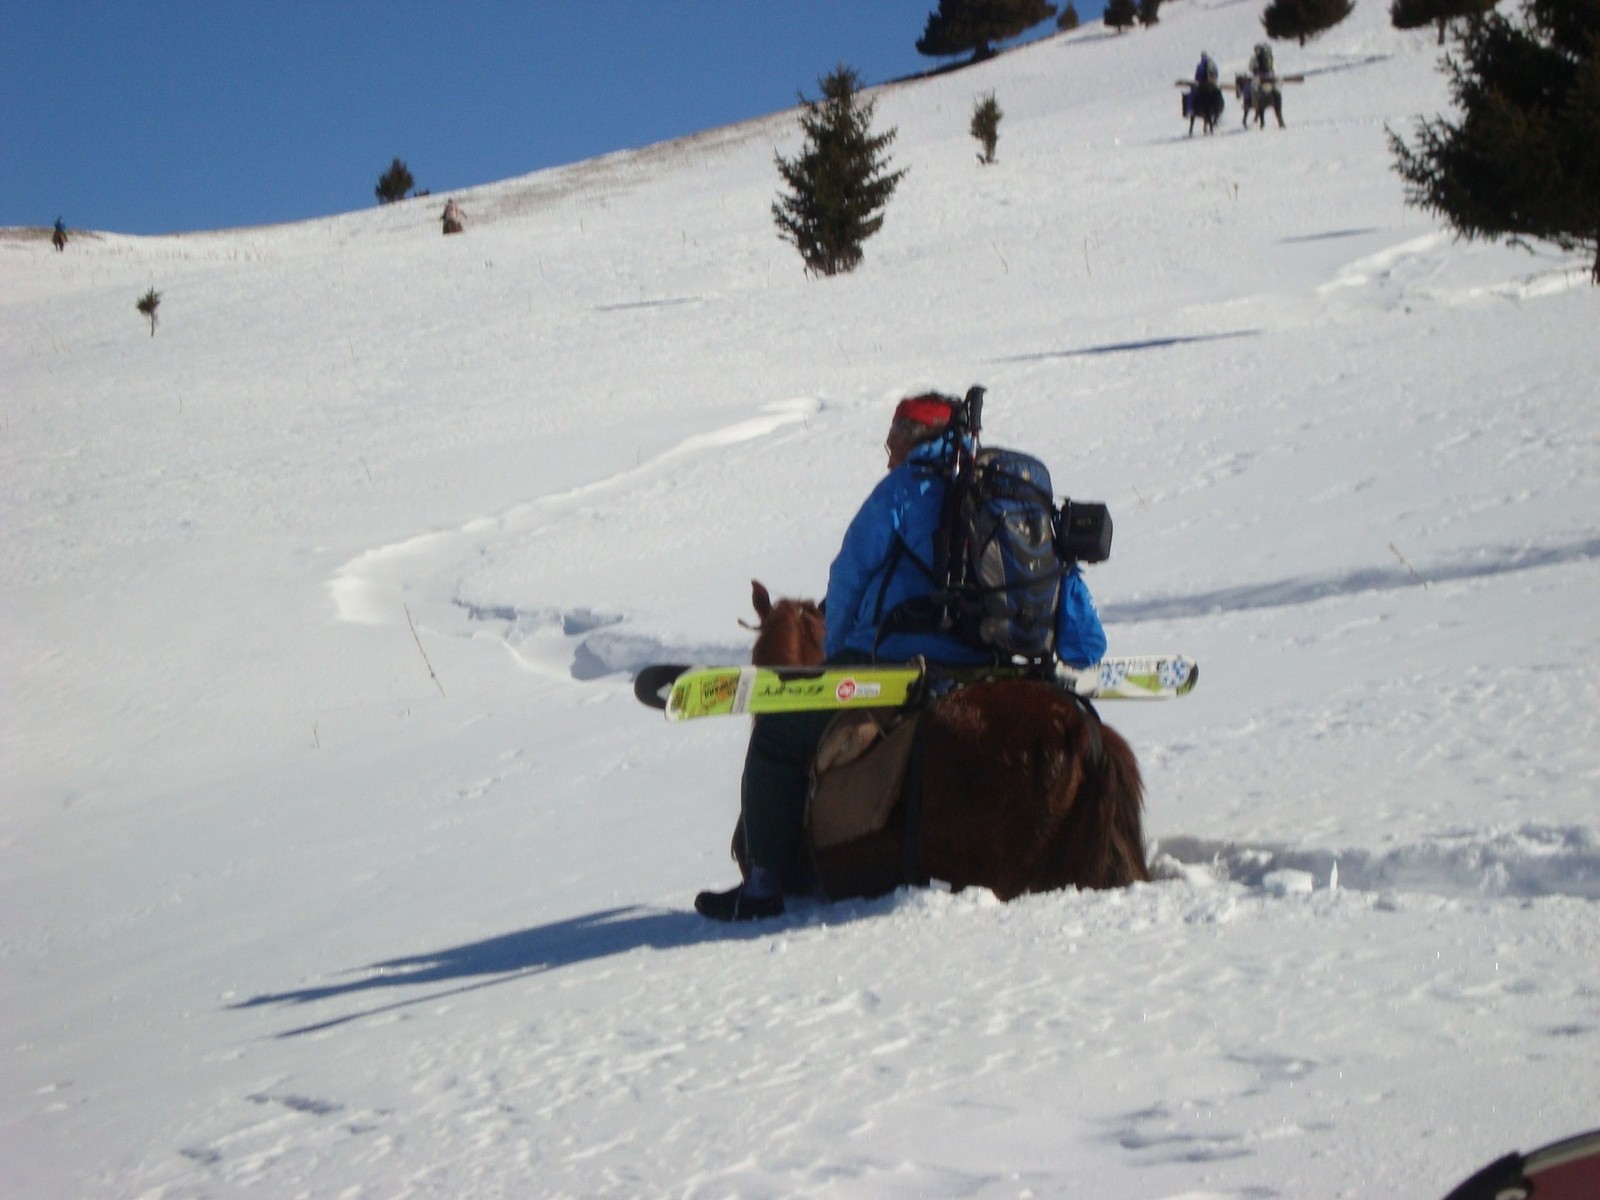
(1521, 161)
(840, 182)
(394, 183)
(1121, 14)
(1303, 19)
(1068, 20)
(1149, 12)
(959, 26)
(1413, 14)
(986, 116)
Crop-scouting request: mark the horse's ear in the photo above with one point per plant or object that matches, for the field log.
(760, 598)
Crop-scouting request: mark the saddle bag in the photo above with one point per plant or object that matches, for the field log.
(856, 839)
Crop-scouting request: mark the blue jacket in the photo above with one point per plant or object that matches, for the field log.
(867, 581)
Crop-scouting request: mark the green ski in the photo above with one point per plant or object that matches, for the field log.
(687, 692)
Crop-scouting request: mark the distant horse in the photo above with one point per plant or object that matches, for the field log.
(1256, 96)
(1203, 102)
(1010, 785)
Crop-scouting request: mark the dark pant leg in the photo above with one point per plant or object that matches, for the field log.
(772, 797)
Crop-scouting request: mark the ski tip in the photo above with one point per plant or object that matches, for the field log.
(653, 685)
(1179, 676)
(1140, 677)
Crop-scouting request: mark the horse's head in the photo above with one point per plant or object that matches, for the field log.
(789, 633)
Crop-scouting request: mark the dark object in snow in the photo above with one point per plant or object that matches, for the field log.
(1564, 1170)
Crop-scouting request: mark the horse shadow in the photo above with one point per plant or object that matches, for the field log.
(454, 970)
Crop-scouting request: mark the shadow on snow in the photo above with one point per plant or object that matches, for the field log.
(1129, 347)
(1482, 563)
(511, 956)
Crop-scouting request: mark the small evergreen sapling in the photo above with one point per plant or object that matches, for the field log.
(1068, 20)
(394, 183)
(986, 116)
(148, 303)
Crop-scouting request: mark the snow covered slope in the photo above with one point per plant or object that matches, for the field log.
(338, 859)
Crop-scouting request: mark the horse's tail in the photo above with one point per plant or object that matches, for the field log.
(1104, 830)
(1122, 793)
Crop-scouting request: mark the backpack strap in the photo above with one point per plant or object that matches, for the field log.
(923, 614)
(920, 614)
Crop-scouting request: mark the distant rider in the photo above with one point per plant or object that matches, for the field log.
(1261, 64)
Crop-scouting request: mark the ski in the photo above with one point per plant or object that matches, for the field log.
(687, 692)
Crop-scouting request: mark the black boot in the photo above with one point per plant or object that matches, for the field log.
(736, 904)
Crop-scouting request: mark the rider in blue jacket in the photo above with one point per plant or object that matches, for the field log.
(869, 580)
(875, 571)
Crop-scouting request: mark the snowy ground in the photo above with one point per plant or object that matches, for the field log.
(338, 859)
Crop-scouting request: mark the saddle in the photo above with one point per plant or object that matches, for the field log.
(864, 812)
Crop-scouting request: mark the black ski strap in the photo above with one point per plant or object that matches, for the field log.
(1097, 748)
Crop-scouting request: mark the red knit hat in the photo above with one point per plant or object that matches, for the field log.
(930, 409)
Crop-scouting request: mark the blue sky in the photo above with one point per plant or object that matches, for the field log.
(159, 116)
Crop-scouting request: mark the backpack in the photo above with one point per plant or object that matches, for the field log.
(1002, 551)
(1004, 598)
(1263, 60)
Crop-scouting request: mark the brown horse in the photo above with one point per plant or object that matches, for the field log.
(1019, 788)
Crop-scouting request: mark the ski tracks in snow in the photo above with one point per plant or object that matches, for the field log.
(1420, 270)
(423, 576)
